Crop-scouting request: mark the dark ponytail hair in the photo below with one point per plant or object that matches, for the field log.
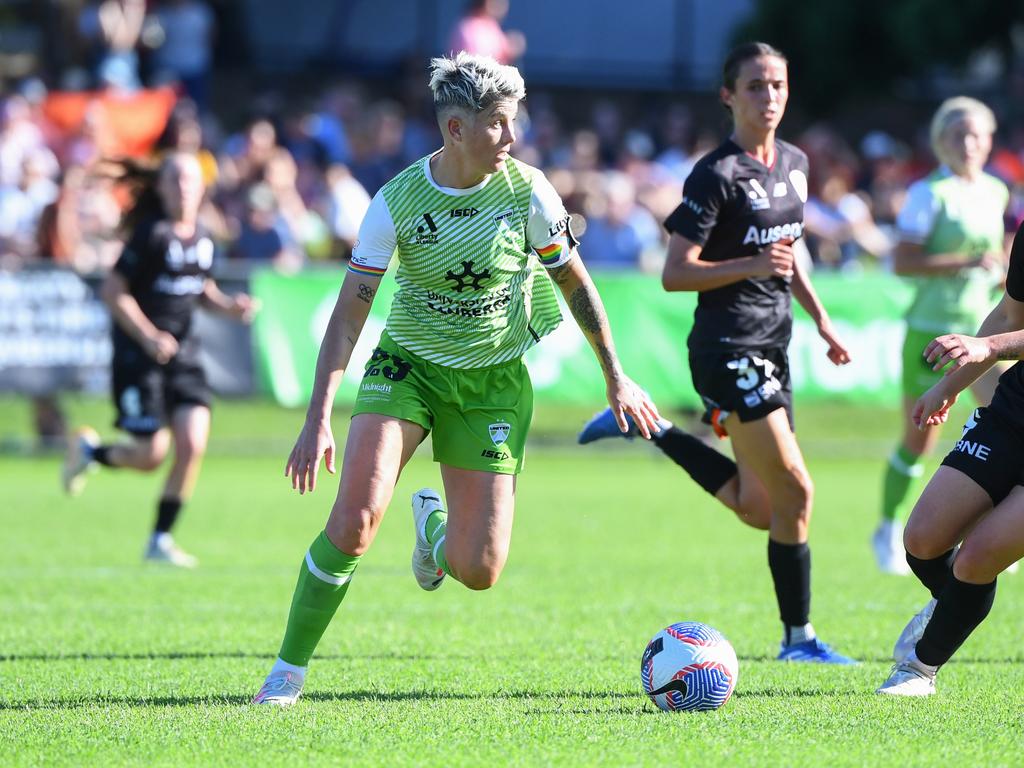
(742, 53)
(141, 181)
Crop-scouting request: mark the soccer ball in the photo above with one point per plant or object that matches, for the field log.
(689, 667)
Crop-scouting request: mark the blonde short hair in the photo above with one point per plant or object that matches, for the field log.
(472, 84)
(953, 110)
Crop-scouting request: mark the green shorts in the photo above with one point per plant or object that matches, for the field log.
(918, 375)
(479, 417)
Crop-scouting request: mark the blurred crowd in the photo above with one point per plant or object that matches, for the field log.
(289, 184)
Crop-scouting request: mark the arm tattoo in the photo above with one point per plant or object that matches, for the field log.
(606, 357)
(366, 293)
(586, 310)
(560, 274)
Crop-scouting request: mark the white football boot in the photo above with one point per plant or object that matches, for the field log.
(163, 549)
(281, 689)
(910, 678)
(78, 461)
(912, 632)
(887, 544)
(424, 566)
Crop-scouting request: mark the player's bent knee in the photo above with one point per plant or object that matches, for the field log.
(974, 564)
(479, 577)
(920, 541)
(352, 531)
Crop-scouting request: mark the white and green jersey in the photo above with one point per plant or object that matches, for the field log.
(471, 288)
(945, 213)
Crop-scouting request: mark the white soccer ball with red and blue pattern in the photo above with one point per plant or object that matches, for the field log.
(689, 667)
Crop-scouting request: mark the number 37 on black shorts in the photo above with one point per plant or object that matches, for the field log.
(751, 384)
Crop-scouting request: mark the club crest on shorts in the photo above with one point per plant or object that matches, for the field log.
(499, 431)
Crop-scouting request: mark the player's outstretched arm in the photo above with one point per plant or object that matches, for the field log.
(807, 297)
(241, 306)
(316, 441)
(624, 396)
(999, 338)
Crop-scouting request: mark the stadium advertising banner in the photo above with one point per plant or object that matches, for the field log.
(54, 332)
(650, 328)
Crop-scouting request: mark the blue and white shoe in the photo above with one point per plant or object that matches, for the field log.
(813, 651)
(604, 425)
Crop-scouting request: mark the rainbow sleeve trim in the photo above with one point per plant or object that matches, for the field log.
(550, 254)
(362, 269)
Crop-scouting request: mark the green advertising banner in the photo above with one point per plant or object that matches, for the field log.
(650, 328)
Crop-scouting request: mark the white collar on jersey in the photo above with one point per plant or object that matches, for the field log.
(451, 190)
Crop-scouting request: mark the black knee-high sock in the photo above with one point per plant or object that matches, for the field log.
(934, 574)
(166, 513)
(709, 468)
(961, 607)
(101, 454)
(790, 565)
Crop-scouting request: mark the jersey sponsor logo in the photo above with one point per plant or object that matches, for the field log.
(799, 181)
(973, 448)
(199, 254)
(369, 386)
(467, 278)
(463, 213)
(182, 285)
(487, 453)
(504, 219)
(758, 196)
(560, 227)
(482, 306)
(499, 431)
(426, 235)
(780, 190)
(768, 235)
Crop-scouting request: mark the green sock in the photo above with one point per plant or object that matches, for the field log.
(436, 527)
(324, 577)
(901, 471)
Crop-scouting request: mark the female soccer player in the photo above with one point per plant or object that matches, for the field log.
(475, 231)
(974, 499)
(952, 242)
(159, 387)
(732, 241)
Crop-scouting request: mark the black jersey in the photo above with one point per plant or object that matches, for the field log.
(1008, 399)
(166, 275)
(734, 206)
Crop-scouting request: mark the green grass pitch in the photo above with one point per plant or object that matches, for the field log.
(106, 662)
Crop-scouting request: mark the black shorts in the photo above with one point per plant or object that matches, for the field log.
(751, 384)
(990, 452)
(147, 393)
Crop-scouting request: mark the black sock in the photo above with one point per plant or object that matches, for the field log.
(790, 565)
(961, 607)
(709, 468)
(166, 514)
(934, 574)
(101, 455)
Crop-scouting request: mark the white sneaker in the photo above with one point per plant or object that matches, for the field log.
(78, 460)
(909, 678)
(424, 566)
(911, 633)
(280, 689)
(887, 543)
(162, 549)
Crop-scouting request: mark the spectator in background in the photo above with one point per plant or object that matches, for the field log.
(479, 31)
(378, 146)
(20, 136)
(111, 29)
(620, 233)
(259, 240)
(22, 205)
(184, 37)
(346, 206)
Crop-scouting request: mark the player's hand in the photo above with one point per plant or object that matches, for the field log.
(837, 351)
(957, 350)
(932, 408)
(626, 397)
(774, 261)
(161, 346)
(245, 307)
(315, 442)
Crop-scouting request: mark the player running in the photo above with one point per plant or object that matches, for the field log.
(732, 241)
(974, 499)
(475, 231)
(159, 388)
(952, 242)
